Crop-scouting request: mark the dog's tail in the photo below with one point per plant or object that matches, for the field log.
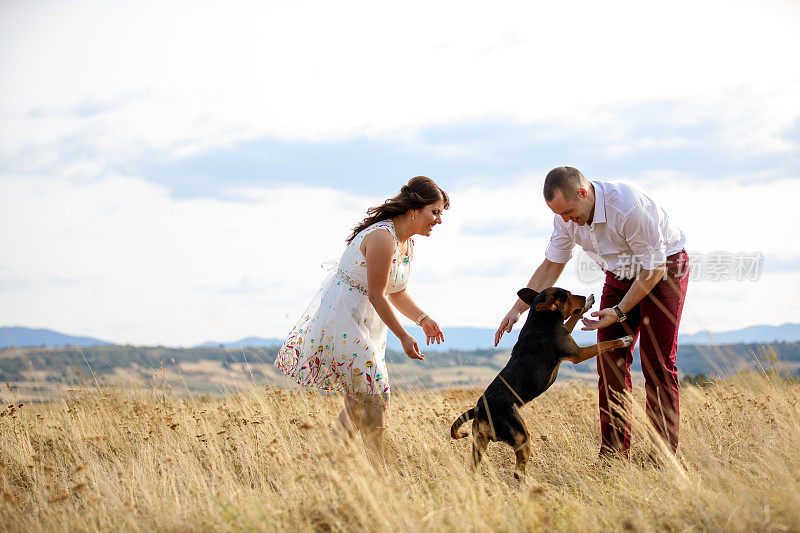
(468, 415)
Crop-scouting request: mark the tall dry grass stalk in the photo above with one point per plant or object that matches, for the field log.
(116, 458)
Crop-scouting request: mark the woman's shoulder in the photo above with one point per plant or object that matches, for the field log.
(378, 241)
(386, 225)
(384, 239)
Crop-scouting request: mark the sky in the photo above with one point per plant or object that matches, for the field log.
(177, 172)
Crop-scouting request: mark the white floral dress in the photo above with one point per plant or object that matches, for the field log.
(339, 344)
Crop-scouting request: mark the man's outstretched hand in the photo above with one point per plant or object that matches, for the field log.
(606, 317)
(505, 325)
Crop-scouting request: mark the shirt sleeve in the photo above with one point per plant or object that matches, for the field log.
(561, 242)
(642, 231)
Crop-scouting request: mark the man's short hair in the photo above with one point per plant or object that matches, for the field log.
(565, 179)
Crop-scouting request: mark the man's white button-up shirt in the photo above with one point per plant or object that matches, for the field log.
(628, 232)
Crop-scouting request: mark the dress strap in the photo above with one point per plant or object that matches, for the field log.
(387, 225)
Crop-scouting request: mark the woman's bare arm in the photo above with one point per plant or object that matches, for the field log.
(406, 305)
(378, 249)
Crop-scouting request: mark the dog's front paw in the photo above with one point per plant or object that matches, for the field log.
(589, 303)
(626, 341)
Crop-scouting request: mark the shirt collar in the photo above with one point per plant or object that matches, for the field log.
(599, 204)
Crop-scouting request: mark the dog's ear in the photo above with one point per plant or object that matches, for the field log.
(527, 295)
(548, 304)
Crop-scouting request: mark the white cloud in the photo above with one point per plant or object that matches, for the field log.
(733, 214)
(192, 75)
(120, 259)
(88, 86)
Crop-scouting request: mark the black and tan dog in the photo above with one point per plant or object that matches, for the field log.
(544, 342)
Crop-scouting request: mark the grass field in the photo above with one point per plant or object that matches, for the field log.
(147, 459)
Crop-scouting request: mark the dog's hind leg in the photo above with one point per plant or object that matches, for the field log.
(521, 444)
(523, 452)
(480, 440)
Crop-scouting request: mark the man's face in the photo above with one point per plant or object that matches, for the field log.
(578, 209)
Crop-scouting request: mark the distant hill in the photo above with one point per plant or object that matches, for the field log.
(39, 373)
(753, 334)
(475, 339)
(456, 338)
(483, 338)
(253, 342)
(12, 337)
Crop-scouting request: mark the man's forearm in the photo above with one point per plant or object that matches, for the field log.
(641, 287)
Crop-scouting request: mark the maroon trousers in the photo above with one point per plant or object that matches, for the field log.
(655, 319)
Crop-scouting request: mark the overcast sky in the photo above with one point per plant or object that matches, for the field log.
(174, 172)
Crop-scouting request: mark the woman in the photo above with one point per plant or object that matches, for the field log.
(340, 342)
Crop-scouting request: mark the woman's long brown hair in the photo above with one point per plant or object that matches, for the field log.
(419, 192)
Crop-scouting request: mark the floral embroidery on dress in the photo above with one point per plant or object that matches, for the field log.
(340, 342)
(350, 281)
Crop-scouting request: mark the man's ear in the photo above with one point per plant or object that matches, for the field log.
(527, 295)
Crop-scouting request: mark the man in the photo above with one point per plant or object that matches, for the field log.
(641, 251)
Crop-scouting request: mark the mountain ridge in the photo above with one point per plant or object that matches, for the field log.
(457, 338)
(20, 336)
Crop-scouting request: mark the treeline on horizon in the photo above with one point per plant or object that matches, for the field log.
(65, 363)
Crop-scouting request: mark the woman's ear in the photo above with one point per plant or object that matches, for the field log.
(527, 295)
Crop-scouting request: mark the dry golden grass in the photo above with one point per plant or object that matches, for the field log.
(143, 460)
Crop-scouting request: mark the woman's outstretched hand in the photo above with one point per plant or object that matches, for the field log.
(432, 331)
(411, 348)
